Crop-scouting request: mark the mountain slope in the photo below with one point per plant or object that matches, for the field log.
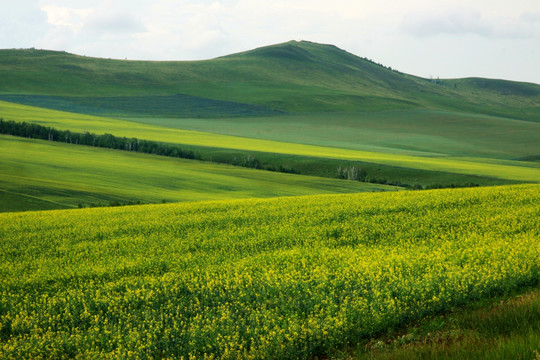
(294, 77)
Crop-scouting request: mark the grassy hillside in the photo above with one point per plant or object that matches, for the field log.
(501, 169)
(43, 175)
(414, 132)
(294, 77)
(282, 278)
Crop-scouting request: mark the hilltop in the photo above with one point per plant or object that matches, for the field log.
(293, 77)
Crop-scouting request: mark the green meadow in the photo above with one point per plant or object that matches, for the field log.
(39, 174)
(510, 170)
(294, 77)
(297, 105)
(410, 132)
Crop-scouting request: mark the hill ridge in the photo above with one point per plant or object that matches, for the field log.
(290, 77)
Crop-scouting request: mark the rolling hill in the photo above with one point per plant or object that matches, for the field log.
(294, 77)
(518, 171)
(43, 175)
(298, 92)
(297, 105)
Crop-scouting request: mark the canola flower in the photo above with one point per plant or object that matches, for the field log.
(283, 278)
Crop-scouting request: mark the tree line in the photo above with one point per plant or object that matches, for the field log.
(36, 131)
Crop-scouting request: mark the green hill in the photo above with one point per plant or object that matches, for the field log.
(294, 77)
(43, 175)
(518, 171)
(298, 105)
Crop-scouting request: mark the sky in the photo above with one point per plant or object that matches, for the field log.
(429, 38)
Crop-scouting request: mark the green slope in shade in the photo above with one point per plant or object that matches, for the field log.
(413, 132)
(422, 131)
(43, 175)
(294, 77)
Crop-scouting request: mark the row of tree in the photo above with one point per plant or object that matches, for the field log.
(36, 131)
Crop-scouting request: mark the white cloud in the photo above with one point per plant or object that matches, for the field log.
(533, 17)
(466, 22)
(106, 29)
(105, 18)
(191, 30)
(112, 22)
(20, 22)
(63, 16)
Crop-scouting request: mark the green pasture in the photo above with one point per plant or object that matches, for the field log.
(409, 132)
(327, 167)
(293, 77)
(37, 174)
(510, 170)
(424, 132)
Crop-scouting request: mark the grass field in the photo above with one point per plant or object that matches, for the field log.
(414, 132)
(298, 105)
(283, 278)
(76, 122)
(293, 77)
(409, 132)
(41, 175)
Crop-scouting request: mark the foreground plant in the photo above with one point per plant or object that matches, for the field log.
(283, 278)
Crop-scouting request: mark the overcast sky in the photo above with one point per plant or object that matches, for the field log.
(429, 38)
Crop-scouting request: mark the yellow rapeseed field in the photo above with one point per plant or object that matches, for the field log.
(282, 278)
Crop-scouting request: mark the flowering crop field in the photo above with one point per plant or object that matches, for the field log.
(275, 278)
